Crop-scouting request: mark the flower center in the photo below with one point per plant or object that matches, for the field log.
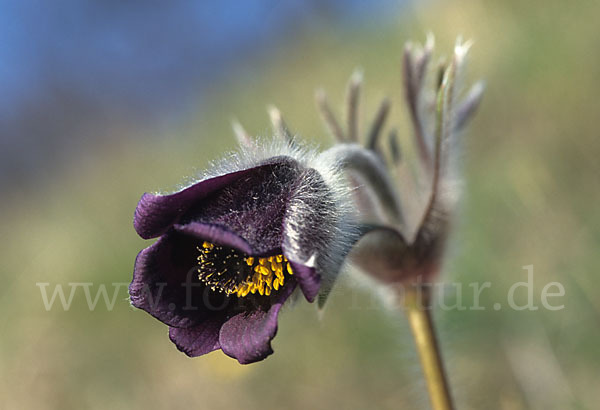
(227, 270)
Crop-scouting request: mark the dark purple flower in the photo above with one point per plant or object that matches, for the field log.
(234, 246)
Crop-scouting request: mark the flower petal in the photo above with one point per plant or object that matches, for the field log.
(215, 234)
(247, 336)
(308, 279)
(166, 285)
(252, 207)
(198, 340)
(156, 213)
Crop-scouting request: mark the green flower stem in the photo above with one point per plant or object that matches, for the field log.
(416, 301)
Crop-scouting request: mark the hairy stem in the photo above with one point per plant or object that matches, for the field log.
(419, 315)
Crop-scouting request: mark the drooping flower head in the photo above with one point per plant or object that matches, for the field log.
(233, 246)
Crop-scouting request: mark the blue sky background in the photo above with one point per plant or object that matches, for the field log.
(71, 68)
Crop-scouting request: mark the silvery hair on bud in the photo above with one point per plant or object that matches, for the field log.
(322, 193)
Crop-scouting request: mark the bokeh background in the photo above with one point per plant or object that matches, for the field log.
(104, 100)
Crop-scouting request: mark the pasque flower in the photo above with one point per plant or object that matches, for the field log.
(411, 211)
(272, 218)
(233, 246)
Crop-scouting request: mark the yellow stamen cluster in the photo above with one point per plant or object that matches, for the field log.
(268, 274)
(225, 270)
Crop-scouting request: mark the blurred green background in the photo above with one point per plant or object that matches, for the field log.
(532, 191)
